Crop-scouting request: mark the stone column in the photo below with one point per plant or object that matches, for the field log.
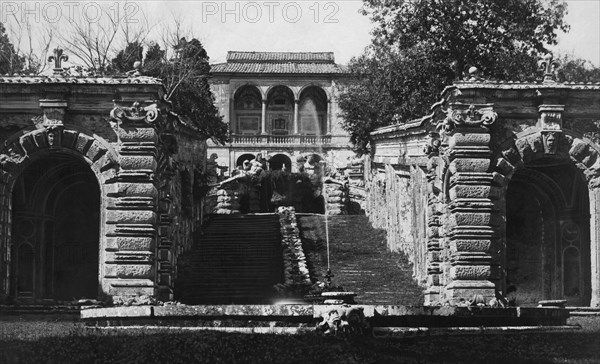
(328, 121)
(296, 116)
(132, 221)
(233, 125)
(594, 194)
(470, 229)
(263, 118)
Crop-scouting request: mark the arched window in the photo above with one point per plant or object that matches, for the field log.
(247, 108)
(280, 110)
(313, 111)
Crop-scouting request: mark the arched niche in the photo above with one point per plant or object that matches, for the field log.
(40, 156)
(559, 185)
(56, 206)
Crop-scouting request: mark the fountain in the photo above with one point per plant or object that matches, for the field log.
(331, 294)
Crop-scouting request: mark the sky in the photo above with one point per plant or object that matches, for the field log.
(268, 25)
(330, 26)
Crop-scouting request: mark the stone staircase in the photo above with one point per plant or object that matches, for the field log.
(360, 260)
(237, 260)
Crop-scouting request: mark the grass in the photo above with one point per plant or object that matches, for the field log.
(64, 341)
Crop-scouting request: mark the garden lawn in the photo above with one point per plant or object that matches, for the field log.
(47, 341)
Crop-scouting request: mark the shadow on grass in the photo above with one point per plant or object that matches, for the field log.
(80, 345)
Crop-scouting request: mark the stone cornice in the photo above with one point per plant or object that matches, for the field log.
(79, 80)
(517, 85)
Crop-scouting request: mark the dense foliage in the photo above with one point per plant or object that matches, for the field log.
(573, 69)
(126, 58)
(184, 70)
(420, 46)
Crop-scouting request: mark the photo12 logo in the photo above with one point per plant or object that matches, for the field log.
(271, 11)
(71, 11)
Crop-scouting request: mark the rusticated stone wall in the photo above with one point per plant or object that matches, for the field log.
(487, 149)
(396, 200)
(146, 161)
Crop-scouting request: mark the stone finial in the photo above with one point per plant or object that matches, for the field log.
(136, 71)
(474, 74)
(58, 57)
(549, 66)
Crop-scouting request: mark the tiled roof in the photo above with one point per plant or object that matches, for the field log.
(79, 80)
(280, 57)
(322, 68)
(279, 62)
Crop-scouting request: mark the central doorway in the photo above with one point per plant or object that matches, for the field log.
(56, 230)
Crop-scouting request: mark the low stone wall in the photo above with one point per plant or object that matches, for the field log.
(396, 201)
(295, 271)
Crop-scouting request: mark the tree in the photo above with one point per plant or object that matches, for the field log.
(420, 46)
(184, 72)
(10, 61)
(126, 58)
(573, 69)
(31, 43)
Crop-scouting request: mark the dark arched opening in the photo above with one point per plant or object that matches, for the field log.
(244, 157)
(56, 212)
(280, 162)
(547, 234)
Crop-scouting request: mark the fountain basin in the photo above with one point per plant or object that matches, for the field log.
(307, 315)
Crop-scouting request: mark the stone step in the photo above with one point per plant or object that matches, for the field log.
(237, 259)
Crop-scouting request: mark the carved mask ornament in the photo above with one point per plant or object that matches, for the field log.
(550, 121)
(54, 114)
(550, 139)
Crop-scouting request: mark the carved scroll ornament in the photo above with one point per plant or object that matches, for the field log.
(135, 114)
(472, 117)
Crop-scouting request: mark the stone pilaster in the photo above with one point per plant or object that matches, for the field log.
(132, 221)
(434, 221)
(5, 236)
(594, 194)
(470, 227)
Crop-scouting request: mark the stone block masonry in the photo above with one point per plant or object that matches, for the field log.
(482, 145)
(114, 133)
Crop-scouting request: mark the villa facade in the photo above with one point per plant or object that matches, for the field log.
(282, 105)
